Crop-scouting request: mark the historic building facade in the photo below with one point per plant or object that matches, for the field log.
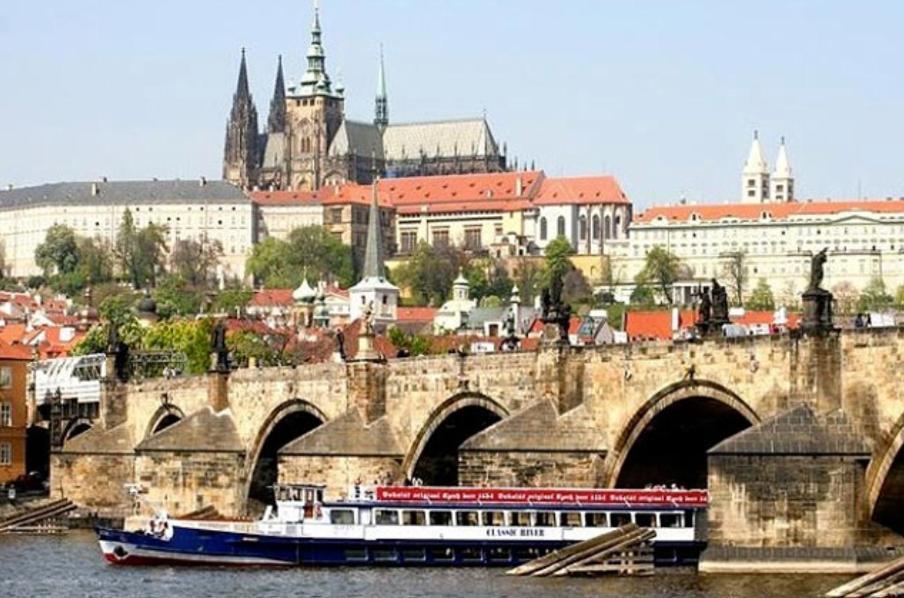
(308, 143)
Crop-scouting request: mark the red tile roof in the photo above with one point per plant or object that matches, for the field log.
(289, 198)
(17, 352)
(416, 314)
(776, 211)
(657, 324)
(12, 333)
(581, 190)
(271, 298)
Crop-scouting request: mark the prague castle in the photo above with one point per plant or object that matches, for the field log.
(308, 143)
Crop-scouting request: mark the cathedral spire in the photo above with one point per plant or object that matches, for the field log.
(381, 105)
(373, 253)
(240, 152)
(315, 81)
(276, 123)
(755, 176)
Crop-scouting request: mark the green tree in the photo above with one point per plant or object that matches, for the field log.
(429, 272)
(735, 269)
(195, 262)
(487, 277)
(576, 289)
(615, 314)
(413, 343)
(558, 262)
(96, 263)
(899, 297)
(661, 270)
(529, 275)
(761, 299)
(140, 252)
(310, 251)
(230, 300)
(643, 296)
(175, 297)
(267, 350)
(270, 264)
(874, 297)
(191, 337)
(58, 254)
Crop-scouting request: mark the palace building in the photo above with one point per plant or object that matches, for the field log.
(308, 143)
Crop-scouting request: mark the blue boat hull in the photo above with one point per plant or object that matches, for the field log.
(193, 546)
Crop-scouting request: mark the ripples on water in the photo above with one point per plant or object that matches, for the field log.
(72, 566)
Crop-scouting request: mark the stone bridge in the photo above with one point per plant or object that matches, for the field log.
(625, 415)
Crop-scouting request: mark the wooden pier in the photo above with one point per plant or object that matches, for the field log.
(623, 551)
(38, 520)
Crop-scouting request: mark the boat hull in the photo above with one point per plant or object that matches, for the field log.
(200, 546)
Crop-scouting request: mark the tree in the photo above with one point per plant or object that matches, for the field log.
(429, 272)
(310, 251)
(58, 254)
(414, 344)
(487, 277)
(191, 337)
(230, 300)
(643, 296)
(195, 263)
(735, 270)
(176, 298)
(661, 270)
(874, 297)
(576, 289)
(529, 275)
(267, 350)
(761, 299)
(558, 262)
(846, 297)
(899, 297)
(270, 265)
(96, 262)
(140, 251)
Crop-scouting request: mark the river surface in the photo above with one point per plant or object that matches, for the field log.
(72, 565)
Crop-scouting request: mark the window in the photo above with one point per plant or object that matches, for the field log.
(409, 240)
(596, 520)
(607, 227)
(441, 238)
(342, 516)
(438, 553)
(440, 517)
(472, 238)
(645, 519)
(620, 519)
(6, 376)
(560, 226)
(386, 517)
(542, 229)
(570, 519)
(6, 453)
(596, 226)
(414, 554)
(6, 415)
(582, 227)
(545, 519)
(493, 518)
(671, 520)
(414, 518)
(469, 554)
(336, 215)
(520, 519)
(499, 554)
(466, 518)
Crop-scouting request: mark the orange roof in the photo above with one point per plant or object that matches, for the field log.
(271, 297)
(12, 333)
(14, 352)
(581, 190)
(416, 314)
(288, 198)
(775, 211)
(655, 324)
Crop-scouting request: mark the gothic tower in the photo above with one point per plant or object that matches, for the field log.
(241, 151)
(381, 102)
(314, 112)
(755, 177)
(782, 180)
(276, 122)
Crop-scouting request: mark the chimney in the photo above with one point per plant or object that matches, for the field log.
(203, 181)
(95, 189)
(518, 187)
(103, 179)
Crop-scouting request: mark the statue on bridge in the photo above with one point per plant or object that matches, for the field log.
(712, 312)
(555, 311)
(218, 347)
(817, 302)
(118, 348)
(817, 270)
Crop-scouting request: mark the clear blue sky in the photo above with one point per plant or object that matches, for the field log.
(663, 94)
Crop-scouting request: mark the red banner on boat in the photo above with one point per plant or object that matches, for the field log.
(683, 498)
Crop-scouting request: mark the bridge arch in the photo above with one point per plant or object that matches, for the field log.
(680, 403)
(286, 422)
(451, 423)
(76, 427)
(163, 418)
(885, 480)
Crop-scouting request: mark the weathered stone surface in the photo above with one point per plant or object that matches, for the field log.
(202, 431)
(348, 435)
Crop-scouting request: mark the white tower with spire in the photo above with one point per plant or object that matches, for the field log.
(782, 181)
(755, 176)
(374, 291)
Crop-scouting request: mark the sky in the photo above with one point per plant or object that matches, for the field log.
(665, 94)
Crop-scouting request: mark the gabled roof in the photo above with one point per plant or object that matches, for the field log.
(10, 352)
(359, 138)
(97, 440)
(287, 198)
(774, 211)
(798, 431)
(123, 192)
(202, 431)
(466, 137)
(581, 190)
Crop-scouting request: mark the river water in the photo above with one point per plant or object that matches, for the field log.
(72, 565)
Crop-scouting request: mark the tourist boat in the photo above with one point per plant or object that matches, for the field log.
(416, 525)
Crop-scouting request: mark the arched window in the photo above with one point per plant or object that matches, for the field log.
(583, 227)
(560, 226)
(596, 226)
(617, 226)
(607, 227)
(543, 229)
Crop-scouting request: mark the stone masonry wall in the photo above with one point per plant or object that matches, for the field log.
(338, 473)
(528, 468)
(93, 480)
(185, 482)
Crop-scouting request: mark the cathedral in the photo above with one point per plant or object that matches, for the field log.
(308, 143)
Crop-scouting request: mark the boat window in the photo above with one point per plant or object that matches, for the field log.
(570, 519)
(386, 517)
(620, 519)
(466, 518)
(499, 554)
(527, 554)
(414, 518)
(493, 518)
(342, 516)
(383, 554)
(645, 519)
(689, 517)
(440, 517)
(671, 520)
(544, 519)
(356, 554)
(469, 554)
(596, 519)
(439, 554)
(413, 554)
(520, 518)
